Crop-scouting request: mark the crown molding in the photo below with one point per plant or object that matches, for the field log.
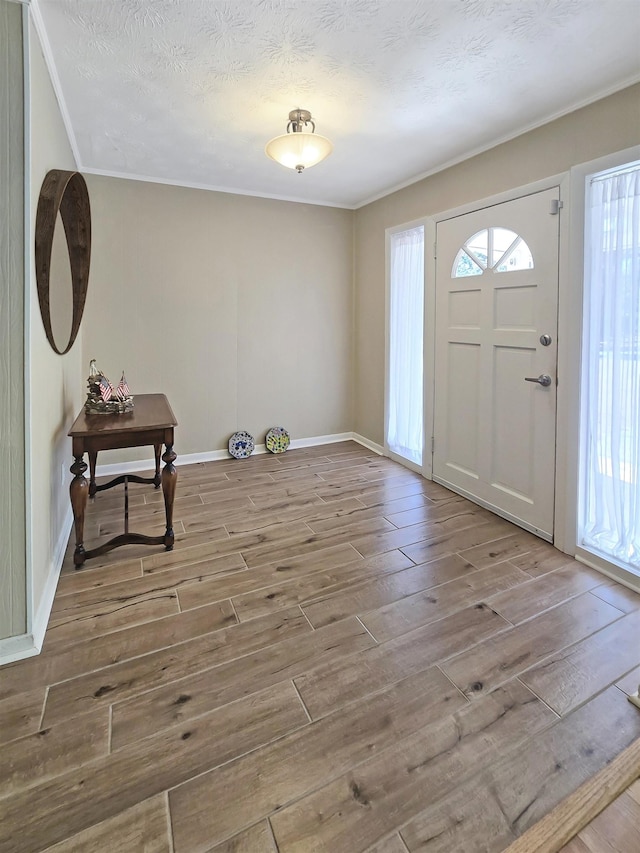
(125, 176)
(600, 95)
(45, 45)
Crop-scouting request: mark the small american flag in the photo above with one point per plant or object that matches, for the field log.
(122, 391)
(106, 389)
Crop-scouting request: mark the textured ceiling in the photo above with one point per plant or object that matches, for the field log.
(189, 91)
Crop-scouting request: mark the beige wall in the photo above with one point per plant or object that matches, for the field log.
(56, 381)
(238, 308)
(606, 126)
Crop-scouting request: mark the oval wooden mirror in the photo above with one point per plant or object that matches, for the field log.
(62, 280)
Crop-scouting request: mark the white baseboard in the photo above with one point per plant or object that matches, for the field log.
(29, 644)
(370, 445)
(617, 573)
(17, 648)
(147, 464)
(41, 618)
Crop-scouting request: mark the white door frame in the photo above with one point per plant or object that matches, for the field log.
(567, 421)
(578, 178)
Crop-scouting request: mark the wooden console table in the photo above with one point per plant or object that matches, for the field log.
(150, 422)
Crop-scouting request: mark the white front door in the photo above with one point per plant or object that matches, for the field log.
(496, 328)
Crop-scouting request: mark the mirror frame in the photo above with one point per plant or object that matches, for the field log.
(65, 193)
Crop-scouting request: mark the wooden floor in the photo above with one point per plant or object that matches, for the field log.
(338, 656)
(614, 830)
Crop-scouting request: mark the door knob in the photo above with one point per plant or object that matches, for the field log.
(543, 379)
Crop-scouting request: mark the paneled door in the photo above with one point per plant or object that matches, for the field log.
(495, 357)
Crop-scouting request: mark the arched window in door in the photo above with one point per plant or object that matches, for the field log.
(498, 249)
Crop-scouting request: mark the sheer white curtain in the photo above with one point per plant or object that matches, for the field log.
(611, 495)
(405, 404)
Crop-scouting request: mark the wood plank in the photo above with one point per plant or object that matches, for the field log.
(256, 839)
(269, 575)
(104, 787)
(544, 592)
(488, 554)
(334, 685)
(98, 621)
(255, 785)
(393, 844)
(89, 655)
(190, 697)
(490, 663)
(619, 596)
(405, 537)
(582, 805)
(503, 801)
(88, 578)
(319, 585)
(144, 827)
(426, 511)
(542, 559)
(629, 684)
(187, 553)
(188, 545)
(301, 509)
(309, 542)
(400, 505)
(121, 680)
(455, 542)
(615, 829)
(371, 494)
(20, 714)
(128, 591)
(391, 788)
(341, 513)
(425, 607)
(380, 495)
(49, 752)
(387, 589)
(457, 822)
(570, 677)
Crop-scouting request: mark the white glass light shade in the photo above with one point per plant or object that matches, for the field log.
(298, 150)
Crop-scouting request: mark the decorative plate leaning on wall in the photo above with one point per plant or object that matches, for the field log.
(241, 445)
(277, 440)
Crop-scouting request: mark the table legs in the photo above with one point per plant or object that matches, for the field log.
(81, 488)
(79, 491)
(169, 478)
(157, 450)
(93, 488)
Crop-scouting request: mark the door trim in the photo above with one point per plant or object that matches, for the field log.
(566, 437)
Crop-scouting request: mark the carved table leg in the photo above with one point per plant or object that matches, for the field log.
(93, 456)
(157, 448)
(78, 491)
(169, 478)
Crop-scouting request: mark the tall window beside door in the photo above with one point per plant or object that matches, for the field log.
(405, 430)
(610, 505)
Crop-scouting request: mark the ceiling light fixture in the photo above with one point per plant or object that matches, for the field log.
(297, 148)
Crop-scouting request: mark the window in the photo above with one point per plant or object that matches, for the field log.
(610, 493)
(497, 249)
(406, 310)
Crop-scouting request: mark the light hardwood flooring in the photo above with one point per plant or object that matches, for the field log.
(338, 656)
(614, 830)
